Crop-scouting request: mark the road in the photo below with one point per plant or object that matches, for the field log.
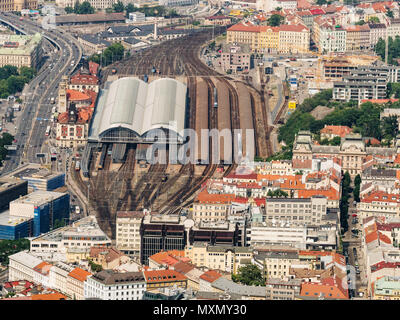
(34, 120)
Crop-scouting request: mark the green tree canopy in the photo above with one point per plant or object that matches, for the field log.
(118, 7)
(249, 275)
(275, 20)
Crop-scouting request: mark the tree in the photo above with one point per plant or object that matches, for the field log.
(360, 23)
(389, 127)
(389, 13)
(321, 2)
(249, 275)
(83, 8)
(118, 7)
(275, 20)
(95, 267)
(374, 20)
(130, 8)
(27, 72)
(278, 9)
(69, 10)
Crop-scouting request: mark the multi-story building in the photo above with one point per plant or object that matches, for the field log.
(157, 279)
(92, 44)
(83, 233)
(358, 37)
(21, 266)
(379, 203)
(128, 232)
(276, 264)
(43, 208)
(296, 211)
(58, 276)
(387, 288)
(376, 31)
(18, 5)
(11, 189)
(294, 39)
(215, 233)
(211, 207)
(235, 58)
(21, 50)
(328, 35)
(161, 233)
(75, 283)
(97, 4)
(110, 285)
(283, 39)
(278, 289)
(352, 152)
(224, 258)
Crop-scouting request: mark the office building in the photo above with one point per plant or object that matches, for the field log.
(161, 233)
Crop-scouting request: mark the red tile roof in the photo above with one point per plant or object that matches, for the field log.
(379, 101)
(329, 289)
(340, 131)
(49, 296)
(83, 79)
(210, 276)
(79, 274)
(75, 95)
(163, 276)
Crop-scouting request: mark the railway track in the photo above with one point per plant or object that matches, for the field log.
(182, 59)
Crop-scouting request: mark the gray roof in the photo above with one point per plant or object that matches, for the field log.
(140, 107)
(221, 248)
(109, 277)
(95, 40)
(231, 287)
(381, 151)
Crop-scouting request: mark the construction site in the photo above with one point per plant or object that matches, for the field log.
(140, 97)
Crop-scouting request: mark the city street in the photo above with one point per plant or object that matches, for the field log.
(37, 108)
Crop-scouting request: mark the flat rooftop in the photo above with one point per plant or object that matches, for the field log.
(87, 226)
(7, 183)
(38, 198)
(32, 170)
(19, 44)
(7, 220)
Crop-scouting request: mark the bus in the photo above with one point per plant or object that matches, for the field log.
(47, 131)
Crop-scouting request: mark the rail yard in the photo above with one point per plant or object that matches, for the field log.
(118, 177)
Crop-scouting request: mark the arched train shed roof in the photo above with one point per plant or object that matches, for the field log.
(133, 104)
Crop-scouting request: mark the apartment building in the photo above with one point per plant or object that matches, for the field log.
(157, 279)
(128, 232)
(21, 266)
(294, 39)
(386, 288)
(296, 211)
(111, 285)
(97, 4)
(328, 35)
(379, 203)
(278, 289)
(224, 258)
(358, 37)
(211, 207)
(18, 5)
(376, 31)
(282, 39)
(58, 276)
(21, 50)
(276, 264)
(75, 283)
